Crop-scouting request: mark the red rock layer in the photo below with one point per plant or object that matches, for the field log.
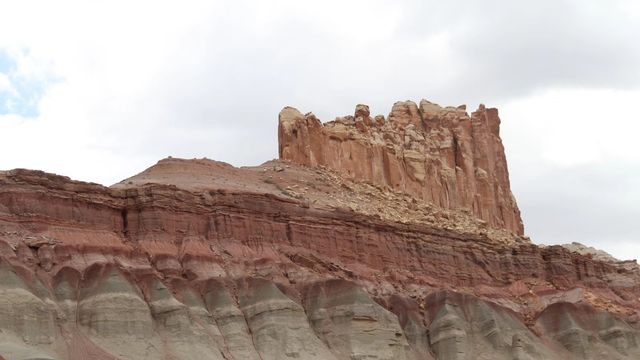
(50, 221)
(172, 255)
(441, 155)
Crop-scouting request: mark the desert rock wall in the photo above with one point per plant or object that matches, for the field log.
(443, 155)
(158, 271)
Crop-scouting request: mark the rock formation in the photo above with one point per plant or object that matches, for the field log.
(441, 155)
(196, 259)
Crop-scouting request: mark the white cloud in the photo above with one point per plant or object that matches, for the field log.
(5, 84)
(575, 166)
(574, 126)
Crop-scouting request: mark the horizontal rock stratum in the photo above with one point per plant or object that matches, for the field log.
(197, 259)
(442, 155)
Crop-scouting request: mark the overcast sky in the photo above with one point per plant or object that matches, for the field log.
(100, 92)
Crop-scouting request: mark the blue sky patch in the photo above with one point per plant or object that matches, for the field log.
(7, 63)
(19, 93)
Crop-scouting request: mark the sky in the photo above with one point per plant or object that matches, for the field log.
(101, 90)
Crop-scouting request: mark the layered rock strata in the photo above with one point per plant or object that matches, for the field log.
(443, 155)
(195, 259)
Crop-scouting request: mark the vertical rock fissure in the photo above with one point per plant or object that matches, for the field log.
(124, 213)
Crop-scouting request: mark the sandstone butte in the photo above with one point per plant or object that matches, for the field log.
(370, 238)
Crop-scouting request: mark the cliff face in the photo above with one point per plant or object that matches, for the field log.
(197, 259)
(443, 155)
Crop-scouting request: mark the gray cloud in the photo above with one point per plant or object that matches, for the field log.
(592, 204)
(241, 75)
(509, 49)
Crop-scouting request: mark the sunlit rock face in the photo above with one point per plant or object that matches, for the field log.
(444, 155)
(196, 259)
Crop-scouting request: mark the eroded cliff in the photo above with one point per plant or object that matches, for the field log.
(197, 259)
(443, 155)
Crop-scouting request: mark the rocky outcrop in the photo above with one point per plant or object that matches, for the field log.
(197, 259)
(589, 334)
(350, 322)
(443, 155)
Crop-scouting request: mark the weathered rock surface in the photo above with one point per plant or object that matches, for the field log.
(588, 250)
(443, 155)
(350, 322)
(589, 334)
(197, 259)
